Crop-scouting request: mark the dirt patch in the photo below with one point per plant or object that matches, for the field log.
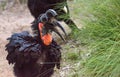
(12, 20)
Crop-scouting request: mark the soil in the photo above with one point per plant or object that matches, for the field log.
(11, 20)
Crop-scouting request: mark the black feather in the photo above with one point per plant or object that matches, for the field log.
(31, 58)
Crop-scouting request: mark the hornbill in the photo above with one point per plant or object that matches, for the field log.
(36, 55)
(37, 7)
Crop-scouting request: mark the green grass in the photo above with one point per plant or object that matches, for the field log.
(101, 35)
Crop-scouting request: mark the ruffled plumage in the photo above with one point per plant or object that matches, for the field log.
(31, 57)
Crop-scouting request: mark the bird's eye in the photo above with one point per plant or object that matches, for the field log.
(51, 13)
(43, 18)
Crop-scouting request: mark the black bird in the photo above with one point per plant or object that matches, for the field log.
(37, 7)
(36, 56)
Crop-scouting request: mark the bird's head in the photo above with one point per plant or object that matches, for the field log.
(47, 23)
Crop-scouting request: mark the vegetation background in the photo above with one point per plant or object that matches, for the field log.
(94, 51)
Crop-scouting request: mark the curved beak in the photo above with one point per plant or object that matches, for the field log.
(51, 24)
(57, 25)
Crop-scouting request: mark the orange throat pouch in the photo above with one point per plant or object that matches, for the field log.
(47, 38)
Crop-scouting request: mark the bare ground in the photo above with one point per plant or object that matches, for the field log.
(12, 20)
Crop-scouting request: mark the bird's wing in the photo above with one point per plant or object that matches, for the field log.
(22, 47)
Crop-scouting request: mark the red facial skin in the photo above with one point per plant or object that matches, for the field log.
(47, 38)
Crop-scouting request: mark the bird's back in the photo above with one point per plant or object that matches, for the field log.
(38, 7)
(22, 47)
